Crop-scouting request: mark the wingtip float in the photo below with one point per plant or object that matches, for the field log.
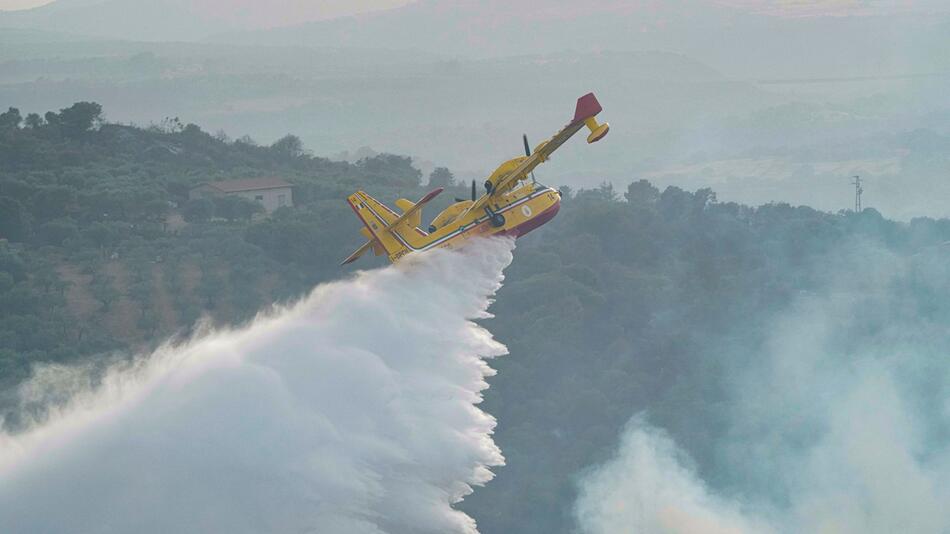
(511, 204)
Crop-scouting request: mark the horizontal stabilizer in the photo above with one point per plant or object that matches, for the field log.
(406, 205)
(372, 244)
(416, 207)
(359, 252)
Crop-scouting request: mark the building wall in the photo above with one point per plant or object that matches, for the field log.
(271, 199)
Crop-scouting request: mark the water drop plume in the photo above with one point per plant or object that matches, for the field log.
(351, 411)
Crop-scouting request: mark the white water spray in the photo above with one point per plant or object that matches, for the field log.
(352, 411)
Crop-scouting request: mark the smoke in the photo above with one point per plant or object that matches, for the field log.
(839, 424)
(649, 487)
(352, 411)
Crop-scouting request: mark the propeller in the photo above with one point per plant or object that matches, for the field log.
(474, 194)
(527, 152)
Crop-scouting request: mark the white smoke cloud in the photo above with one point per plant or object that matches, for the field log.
(867, 474)
(649, 488)
(352, 411)
(838, 427)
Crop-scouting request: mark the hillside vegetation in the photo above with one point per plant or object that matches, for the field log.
(632, 299)
(103, 250)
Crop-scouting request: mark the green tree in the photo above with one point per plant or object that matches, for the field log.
(33, 121)
(6, 282)
(198, 210)
(389, 169)
(102, 235)
(53, 201)
(289, 146)
(104, 291)
(156, 209)
(148, 322)
(141, 291)
(79, 118)
(57, 231)
(10, 119)
(246, 141)
(11, 263)
(235, 208)
(211, 287)
(604, 193)
(14, 220)
(14, 366)
(641, 194)
(441, 177)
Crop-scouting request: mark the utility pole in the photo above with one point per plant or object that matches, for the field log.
(857, 194)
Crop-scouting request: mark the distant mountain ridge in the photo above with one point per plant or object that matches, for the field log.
(737, 38)
(177, 20)
(741, 38)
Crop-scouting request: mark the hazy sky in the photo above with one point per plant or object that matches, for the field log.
(21, 4)
(834, 7)
(353, 6)
(773, 7)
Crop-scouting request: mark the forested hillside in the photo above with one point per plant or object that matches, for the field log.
(658, 302)
(632, 299)
(104, 252)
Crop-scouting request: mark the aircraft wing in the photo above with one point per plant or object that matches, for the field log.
(587, 108)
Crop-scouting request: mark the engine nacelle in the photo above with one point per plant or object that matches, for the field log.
(503, 170)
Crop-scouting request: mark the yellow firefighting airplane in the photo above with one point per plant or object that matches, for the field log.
(511, 205)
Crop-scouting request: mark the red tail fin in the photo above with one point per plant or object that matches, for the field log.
(587, 107)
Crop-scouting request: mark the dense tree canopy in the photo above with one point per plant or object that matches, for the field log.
(441, 177)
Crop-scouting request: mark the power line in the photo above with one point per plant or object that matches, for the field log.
(857, 194)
